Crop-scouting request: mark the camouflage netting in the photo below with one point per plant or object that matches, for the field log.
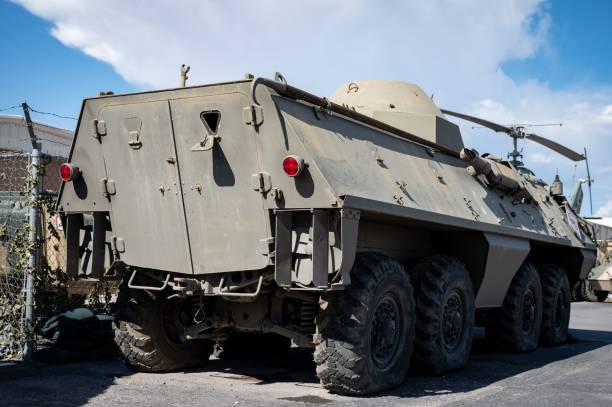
(50, 293)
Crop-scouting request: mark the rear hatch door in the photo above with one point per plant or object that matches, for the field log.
(147, 211)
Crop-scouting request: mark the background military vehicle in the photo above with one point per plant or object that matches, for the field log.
(252, 212)
(598, 284)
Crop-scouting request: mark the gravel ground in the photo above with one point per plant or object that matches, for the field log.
(577, 374)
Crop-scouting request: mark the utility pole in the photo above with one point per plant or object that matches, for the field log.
(33, 216)
(589, 180)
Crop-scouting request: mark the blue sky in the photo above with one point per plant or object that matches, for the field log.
(38, 68)
(579, 52)
(509, 61)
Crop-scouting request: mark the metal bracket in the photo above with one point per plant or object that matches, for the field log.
(320, 250)
(98, 128)
(349, 231)
(299, 338)
(118, 244)
(134, 142)
(146, 287)
(98, 244)
(375, 153)
(207, 143)
(108, 187)
(283, 252)
(232, 294)
(266, 246)
(253, 115)
(73, 229)
(261, 181)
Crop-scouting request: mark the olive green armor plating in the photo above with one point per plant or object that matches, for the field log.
(232, 191)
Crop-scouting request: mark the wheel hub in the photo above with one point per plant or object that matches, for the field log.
(452, 322)
(385, 332)
(529, 311)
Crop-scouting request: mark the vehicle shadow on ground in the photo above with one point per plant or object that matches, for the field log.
(486, 366)
(297, 366)
(44, 384)
(47, 384)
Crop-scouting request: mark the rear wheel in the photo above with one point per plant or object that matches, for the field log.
(444, 315)
(516, 326)
(556, 305)
(365, 333)
(146, 332)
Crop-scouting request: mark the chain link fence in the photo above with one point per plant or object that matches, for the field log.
(15, 247)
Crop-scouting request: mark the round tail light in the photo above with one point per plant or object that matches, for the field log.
(293, 165)
(68, 172)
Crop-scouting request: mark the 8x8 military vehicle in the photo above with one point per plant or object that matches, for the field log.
(358, 225)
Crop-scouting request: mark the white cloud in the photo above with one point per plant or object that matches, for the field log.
(605, 211)
(453, 49)
(539, 158)
(606, 114)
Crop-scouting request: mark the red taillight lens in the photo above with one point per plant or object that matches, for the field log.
(293, 165)
(68, 171)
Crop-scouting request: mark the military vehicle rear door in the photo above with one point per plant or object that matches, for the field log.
(143, 185)
(217, 156)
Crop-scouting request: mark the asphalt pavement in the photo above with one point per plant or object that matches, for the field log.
(578, 373)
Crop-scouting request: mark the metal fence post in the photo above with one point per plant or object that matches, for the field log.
(33, 217)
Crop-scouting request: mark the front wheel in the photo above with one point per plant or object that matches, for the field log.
(365, 333)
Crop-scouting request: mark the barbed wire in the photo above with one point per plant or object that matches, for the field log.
(53, 141)
(52, 114)
(9, 108)
(59, 116)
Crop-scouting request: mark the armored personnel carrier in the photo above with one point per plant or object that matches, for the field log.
(598, 284)
(252, 213)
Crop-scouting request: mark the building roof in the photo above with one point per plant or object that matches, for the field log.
(14, 137)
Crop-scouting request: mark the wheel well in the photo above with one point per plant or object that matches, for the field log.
(469, 247)
(571, 259)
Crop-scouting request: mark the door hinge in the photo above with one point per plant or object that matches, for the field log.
(108, 187)
(98, 128)
(253, 115)
(261, 181)
(118, 244)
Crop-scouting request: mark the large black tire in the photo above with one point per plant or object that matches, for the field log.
(556, 305)
(365, 333)
(445, 315)
(516, 326)
(254, 346)
(586, 293)
(146, 339)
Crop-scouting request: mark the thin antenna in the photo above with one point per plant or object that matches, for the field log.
(589, 179)
(183, 75)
